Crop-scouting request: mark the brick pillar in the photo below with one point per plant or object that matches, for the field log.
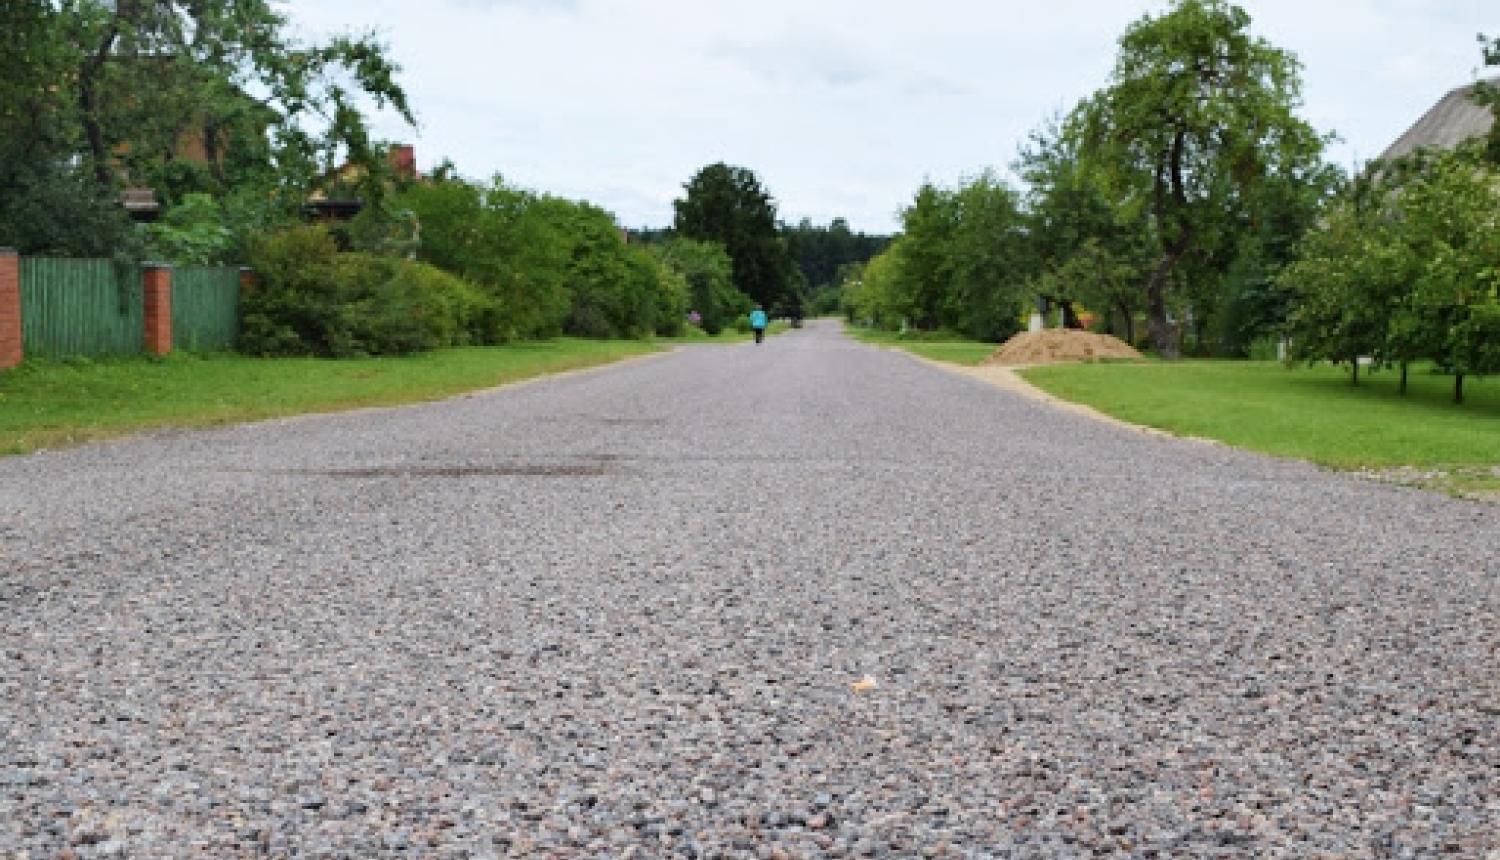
(247, 280)
(156, 283)
(11, 351)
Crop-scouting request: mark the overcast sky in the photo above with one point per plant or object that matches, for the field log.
(841, 107)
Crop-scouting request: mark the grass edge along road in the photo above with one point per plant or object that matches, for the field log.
(56, 404)
(1304, 413)
(49, 404)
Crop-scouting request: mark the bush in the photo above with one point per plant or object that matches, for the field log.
(192, 234)
(312, 300)
(742, 324)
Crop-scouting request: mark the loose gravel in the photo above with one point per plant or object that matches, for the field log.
(806, 599)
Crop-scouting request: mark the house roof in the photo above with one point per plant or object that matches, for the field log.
(1453, 120)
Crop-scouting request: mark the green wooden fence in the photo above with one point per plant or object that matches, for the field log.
(94, 308)
(205, 308)
(80, 307)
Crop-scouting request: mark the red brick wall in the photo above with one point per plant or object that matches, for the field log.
(157, 284)
(11, 351)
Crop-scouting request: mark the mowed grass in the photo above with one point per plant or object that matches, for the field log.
(1310, 413)
(54, 404)
(1307, 413)
(938, 347)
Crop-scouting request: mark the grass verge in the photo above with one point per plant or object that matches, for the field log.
(939, 346)
(1310, 413)
(55, 404)
(1422, 439)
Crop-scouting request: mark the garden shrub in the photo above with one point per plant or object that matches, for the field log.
(312, 300)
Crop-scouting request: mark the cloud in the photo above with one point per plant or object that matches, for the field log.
(842, 107)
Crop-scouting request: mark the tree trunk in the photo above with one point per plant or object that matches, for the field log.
(88, 103)
(1355, 364)
(1458, 388)
(1403, 379)
(1129, 319)
(1164, 336)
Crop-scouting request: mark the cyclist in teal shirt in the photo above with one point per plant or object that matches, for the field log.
(758, 323)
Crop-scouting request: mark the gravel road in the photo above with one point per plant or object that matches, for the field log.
(806, 599)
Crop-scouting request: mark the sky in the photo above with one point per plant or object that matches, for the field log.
(842, 108)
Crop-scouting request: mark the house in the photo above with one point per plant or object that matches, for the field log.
(336, 199)
(1453, 120)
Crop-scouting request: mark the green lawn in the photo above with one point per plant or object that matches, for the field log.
(1423, 439)
(937, 346)
(52, 404)
(1306, 413)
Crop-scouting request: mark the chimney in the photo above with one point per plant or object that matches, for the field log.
(403, 160)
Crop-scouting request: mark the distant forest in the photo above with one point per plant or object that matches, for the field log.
(819, 251)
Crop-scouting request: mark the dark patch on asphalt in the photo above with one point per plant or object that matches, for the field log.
(523, 470)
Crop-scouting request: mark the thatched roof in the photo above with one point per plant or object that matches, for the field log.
(1450, 122)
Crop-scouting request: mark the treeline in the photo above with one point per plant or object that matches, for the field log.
(98, 97)
(1188, 207)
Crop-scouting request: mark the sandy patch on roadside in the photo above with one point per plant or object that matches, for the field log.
(1005, 376)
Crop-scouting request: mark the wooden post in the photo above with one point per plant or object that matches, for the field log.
(12, 350)
(156, 282)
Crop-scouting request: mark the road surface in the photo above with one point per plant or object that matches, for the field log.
(803, 599)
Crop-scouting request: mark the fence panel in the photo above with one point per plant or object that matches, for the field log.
(80, 307)
(205, 308)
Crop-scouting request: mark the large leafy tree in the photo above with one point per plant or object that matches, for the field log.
(48, 203)
(1078, 246)
(1198, 114)
(729, 206)
(987, 243)
(150, 73)
(185, 96)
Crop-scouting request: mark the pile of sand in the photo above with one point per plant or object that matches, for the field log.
(1059, 345)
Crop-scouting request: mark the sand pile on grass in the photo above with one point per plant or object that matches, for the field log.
(1057, 345)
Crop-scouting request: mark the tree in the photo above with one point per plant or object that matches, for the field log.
(1351, 274)
(821, 251)
(1447, 221)
(1407, 269)
(728, 205)
(1486, 93)
(987, 290)
(709, 275)
(925, 273)
(48, 204)
(1080, 243)
(97, 93)
(1198, 113)
(202, 61)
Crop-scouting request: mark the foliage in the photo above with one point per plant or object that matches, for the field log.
(312, 300)
(952, 267)
(177, 95)
(1487, 94)
(708, 278)
(727, 205)
(1407, 270)
(491, 237)
(548, 265)
(820, 252)
(1199, 113)
(191, 233)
